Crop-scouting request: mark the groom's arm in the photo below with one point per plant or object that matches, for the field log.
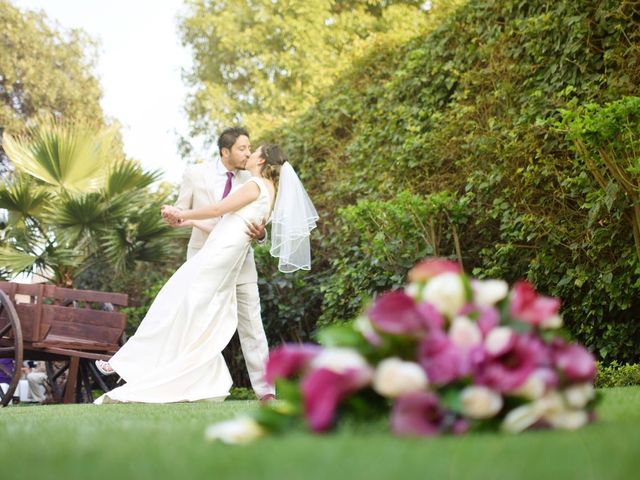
(185, 196)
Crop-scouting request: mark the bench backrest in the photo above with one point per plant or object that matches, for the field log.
(50, 311)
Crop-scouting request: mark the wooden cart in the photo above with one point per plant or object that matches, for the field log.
(67, 328)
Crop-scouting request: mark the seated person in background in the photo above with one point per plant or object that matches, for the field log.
(37, 379)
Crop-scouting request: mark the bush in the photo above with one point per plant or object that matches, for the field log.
(472, 109)
(617, 375)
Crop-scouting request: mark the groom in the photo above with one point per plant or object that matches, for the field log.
(208, 183)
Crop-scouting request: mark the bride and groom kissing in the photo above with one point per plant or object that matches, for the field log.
(176, 353)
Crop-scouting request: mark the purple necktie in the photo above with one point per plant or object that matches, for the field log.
(227, 186)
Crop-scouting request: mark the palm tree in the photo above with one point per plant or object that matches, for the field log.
(74, 201)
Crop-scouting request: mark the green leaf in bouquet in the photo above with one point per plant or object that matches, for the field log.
(450, 399)
(274, 419)
(289, 392)
(365, 405)
(466, 284)
(342, 335)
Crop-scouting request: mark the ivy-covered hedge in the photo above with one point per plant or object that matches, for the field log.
(473, 109)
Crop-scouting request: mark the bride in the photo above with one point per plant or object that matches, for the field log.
(175, 355)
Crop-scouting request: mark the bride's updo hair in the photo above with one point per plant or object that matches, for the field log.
(274, 157)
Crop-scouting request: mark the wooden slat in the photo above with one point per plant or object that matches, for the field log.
(60, 293)
(54, 314)
(78, 353)
(28, 314)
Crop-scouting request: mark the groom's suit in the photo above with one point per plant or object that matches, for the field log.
(202, 185)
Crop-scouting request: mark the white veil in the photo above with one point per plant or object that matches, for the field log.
(294, 216)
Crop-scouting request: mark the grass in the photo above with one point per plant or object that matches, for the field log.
(166, 441)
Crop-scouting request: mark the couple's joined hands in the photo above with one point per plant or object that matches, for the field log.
(172, 217)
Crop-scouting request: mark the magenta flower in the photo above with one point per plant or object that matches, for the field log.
(289, 359)
(396, 313)
(574, 361)
(322, 392)
(487, 318)
(443, 361)
(417, 414)
(528, 306)
(510, 368)
(431, 267)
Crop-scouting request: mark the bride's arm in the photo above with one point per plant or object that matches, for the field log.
(238, 199)
(203, 225)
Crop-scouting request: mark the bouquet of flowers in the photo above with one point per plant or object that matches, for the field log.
(445, 355)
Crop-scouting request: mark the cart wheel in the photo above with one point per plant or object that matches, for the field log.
(10, 345)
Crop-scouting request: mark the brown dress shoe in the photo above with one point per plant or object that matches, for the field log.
(269, 397)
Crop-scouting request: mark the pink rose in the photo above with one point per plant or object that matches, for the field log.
(574, 361)
(441, 359)
(323, 390)
(417, 414)
(527, 306)
(289, 359)
(512, 366)
(396, 313)
(431, 267)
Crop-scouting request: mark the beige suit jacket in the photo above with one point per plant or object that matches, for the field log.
(197, 190)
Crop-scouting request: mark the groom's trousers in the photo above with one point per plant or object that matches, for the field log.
(253, 340)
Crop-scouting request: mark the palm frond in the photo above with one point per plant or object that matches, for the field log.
(16, 261)
(24, 197)
(128, 175)
(73, 158)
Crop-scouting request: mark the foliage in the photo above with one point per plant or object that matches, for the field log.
(608, 140)
(378, 241)
(260, 62)
(64, 217)
(44, 71)
(471, 108)
(617, 375)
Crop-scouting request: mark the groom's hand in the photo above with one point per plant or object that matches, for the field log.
(168, 215)
(257, 231)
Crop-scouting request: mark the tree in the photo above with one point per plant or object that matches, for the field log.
(261, 61)
(73, 203)
(44, 71)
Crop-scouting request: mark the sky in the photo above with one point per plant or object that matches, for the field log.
(139, 63)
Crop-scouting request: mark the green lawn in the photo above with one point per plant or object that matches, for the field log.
(166, 441)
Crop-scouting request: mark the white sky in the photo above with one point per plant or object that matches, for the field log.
(139, 63)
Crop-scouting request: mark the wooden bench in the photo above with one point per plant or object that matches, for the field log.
(62, 323)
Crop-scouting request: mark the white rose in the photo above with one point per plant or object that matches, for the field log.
(568, 419)
(533, 388)
(465, 333)
(480, 402)
(521, 418)
(487, 293)
(340, 359)
(498, 339)
(395, 377)
(554, 321)
(414, 290)
(235, 432)
(446, 293)
(578, 396)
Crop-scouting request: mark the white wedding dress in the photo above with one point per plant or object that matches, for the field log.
(175, 355)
